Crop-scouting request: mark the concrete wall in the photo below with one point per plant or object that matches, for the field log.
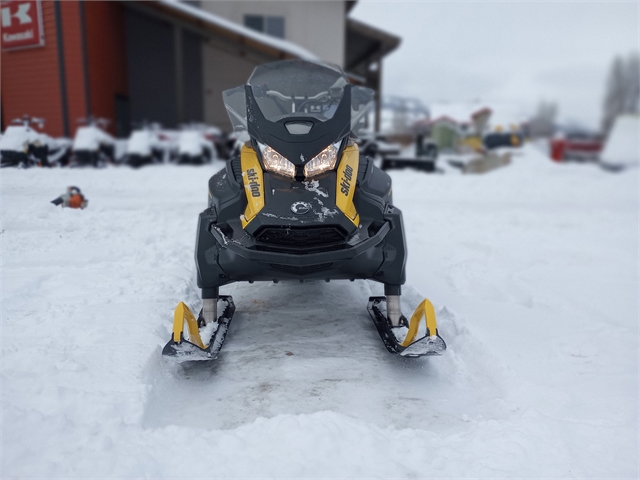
(318, 26)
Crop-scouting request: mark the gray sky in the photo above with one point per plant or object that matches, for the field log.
(511, 52)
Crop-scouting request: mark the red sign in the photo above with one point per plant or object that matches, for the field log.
(22, 24)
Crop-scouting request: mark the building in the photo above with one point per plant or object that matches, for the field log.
(164, 60)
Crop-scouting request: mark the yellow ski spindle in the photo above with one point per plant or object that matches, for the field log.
(183, 314)
(425, 308)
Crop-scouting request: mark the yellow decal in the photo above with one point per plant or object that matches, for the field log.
(426, 309)
(181, 315)
(253, 184)
(346, 183)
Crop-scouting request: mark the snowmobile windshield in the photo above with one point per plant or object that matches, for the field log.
(298, 89)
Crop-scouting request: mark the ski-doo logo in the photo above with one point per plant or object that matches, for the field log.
(254, 186)
(345, 182)
(300, 208)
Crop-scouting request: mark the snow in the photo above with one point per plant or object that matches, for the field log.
(621, 148)
(532, 269)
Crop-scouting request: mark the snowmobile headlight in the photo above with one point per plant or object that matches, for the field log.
(324, 161)
(275, 162)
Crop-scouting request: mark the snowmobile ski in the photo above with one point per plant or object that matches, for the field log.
(431, 344)
(181, 350)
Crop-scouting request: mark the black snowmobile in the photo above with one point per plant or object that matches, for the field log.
(300, 203)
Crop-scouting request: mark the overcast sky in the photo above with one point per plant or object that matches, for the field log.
(505, 51)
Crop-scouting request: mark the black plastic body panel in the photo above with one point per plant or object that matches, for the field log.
(375, 249)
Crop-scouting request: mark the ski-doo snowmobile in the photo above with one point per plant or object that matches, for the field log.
(300, 203)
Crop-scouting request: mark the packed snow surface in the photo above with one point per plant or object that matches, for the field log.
(532, 269)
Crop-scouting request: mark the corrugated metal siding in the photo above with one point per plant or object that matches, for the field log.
(150, 68)
(105, 33)
(192, 77)
(72, 40)
(31, 80)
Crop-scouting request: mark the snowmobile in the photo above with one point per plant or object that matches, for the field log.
(92, 146)
(144, 146)
(300, 203)
(23, 146)
(194, 148)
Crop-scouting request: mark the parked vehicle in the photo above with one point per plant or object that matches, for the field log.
(194, 148)
(23, 146)
(300, 203)
(502, 139)
(422, 155)
(92, 146)
(145, 146)
(576, 145)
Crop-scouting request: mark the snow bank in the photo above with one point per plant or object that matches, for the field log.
(621, 148)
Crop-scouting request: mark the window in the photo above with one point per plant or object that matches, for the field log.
(273, 26)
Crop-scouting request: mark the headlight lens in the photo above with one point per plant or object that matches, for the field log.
(324, 161)
(275, 162)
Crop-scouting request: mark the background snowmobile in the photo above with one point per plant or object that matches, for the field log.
(144, 146)
(194, 148)
(23, 146)
(300, 203)
(92, 145)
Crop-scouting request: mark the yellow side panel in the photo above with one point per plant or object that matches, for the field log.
(253, 184)
(346, 183)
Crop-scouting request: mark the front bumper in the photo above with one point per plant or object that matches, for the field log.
(221, 260)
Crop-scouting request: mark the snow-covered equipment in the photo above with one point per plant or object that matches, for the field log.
(576, 144)
(621, 149)
(92, 145)
(300, 203)
(22, 145)
(72, 198)
(194, 147)
(144, 147)
(421, 155)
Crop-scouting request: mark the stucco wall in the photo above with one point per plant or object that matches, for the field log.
(222, 69)
(319, 26)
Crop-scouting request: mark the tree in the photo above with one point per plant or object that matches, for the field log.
(543, 122)
(623, 90)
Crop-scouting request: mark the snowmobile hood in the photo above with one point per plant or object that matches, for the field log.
(298, 108)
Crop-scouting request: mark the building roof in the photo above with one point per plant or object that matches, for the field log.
(204, 20)
(365, 45)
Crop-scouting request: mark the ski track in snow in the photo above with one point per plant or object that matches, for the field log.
(532, 270)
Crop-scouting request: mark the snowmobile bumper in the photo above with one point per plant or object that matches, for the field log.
(430, 344)
(181, 350)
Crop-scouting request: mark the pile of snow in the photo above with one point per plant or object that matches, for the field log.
(532, 269)
(621, 149)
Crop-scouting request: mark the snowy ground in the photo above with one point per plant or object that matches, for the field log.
(533, 269)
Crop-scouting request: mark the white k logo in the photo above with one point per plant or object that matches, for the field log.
(22, 15)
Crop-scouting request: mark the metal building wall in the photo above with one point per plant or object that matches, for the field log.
(164, 69)
(150, 69)
(192, 77)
